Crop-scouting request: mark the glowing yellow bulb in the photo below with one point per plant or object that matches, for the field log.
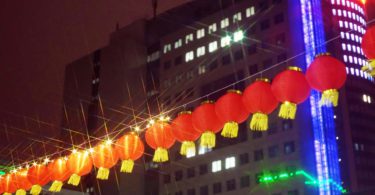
(108, 142)
(91, 150)
(34, 163)
(364, 1)
(137, 129)
(152, 121)
(74, 151)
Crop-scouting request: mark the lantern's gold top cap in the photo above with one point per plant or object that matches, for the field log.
(207, 102)
(234, 91)
(263, 79)
(295, 68)
(323, 54)
(184, 112)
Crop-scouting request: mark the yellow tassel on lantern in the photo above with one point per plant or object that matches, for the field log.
(288, 110)
(160, 155)
(230, 130)
(370, 67)
(21, 192)
(74, 180)
(6, 193)
(208, 139)
(56, 186)
(187, 147)
(35, 190)
(103, 173)
(127, 166)
(329, 97)
(259, 122)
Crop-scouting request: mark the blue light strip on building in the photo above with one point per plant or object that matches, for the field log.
(326, 153)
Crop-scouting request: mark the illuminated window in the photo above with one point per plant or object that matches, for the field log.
(201, 69)
(338, 2)
(212, 46)
(201, 51)
(203, 150)
(339, 12)
(189, 56)
(216, 166)
(343, 2)
(342, 34)
(351, 59)
(237, 17)
(200, 33)
(340, 24)
(178, 43)
(167, 48)
(230, 162)
(224, 23)
(344, 13)
(334, 12)
(212, 28)
(250, 11)
(343, 46)
(345, 58)
(352, 71)
(225, 41)
(238, 36)
(189, 38)
(366, 98)
(346, 24)
(190, 153)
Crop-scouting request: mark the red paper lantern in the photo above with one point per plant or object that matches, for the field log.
(38, 175)
(1, 184)
(104, 157)
(368, 47)
(207, 123)
(59, 172)
(21, 182)
(259, 101)
(8, 184)
(159, 136)
(327, 74)
(79, 164)
(290, 87)
(183, 130)
(129, 148)
(230, 109)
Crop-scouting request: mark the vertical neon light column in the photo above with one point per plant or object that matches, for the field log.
(326, 153)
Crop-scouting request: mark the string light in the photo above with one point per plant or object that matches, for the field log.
(137, 129)
(108, 142)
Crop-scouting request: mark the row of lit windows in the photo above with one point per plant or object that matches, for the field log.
(230, 162)
(200, 33)
(349, 14)
(348, 4)
(351, 26)
(354, 60)
(358, 73)
(351, 37)
(213, 46)
(355, 49)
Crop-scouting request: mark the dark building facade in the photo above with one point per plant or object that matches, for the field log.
(194, 53)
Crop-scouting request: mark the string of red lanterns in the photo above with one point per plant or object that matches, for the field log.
(290, 87)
